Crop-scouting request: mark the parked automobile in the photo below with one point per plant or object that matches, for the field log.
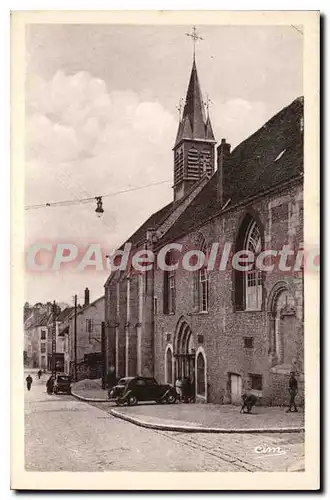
(62, 384)
(131, 390)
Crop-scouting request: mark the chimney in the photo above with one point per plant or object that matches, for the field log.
(223, 151)
(86, 303)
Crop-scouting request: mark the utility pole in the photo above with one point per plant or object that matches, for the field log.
(75, 337)
(54, 340)
(104, 356)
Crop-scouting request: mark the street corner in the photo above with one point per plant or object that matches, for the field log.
(209, 418)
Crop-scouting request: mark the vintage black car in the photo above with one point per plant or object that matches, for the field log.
(131, 390)
(62, 384)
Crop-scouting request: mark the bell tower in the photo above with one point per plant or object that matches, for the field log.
(194, 149)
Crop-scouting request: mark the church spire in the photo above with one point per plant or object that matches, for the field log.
(193, 123)
(195, 142)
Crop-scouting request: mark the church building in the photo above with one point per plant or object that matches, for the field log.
(224, 327)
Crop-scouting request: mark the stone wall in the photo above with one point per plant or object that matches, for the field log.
(222, 329)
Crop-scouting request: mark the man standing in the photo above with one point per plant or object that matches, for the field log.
(111, 379)
(178, 388)
(28, 382)
(293, 389)
(50, 385)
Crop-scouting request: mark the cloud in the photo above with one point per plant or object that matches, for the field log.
(84, 140)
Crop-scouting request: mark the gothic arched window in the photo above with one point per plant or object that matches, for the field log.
(169, 286)
(253, 277)
(202, 283)
(248, 289)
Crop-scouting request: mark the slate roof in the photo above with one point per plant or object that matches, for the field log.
(194, 124)
(271, 156)
(38, 320)
(64, 314)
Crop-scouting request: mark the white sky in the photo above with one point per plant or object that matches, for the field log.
(101, 117)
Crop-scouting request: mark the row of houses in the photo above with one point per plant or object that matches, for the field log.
(77, 331)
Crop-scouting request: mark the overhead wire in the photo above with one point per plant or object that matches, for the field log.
(91, 199)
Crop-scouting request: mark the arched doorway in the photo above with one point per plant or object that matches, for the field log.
(184, 352)
(200, 364)
(283, 342)
(201, 375)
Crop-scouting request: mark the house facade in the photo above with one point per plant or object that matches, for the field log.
(35, 335)
(89, 339)
(83, 350)
(226, 327)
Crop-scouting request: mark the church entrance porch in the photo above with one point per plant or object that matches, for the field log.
(188, 363)
(184, 353)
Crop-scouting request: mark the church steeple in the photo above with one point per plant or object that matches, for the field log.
(193, 120)
(194, 144)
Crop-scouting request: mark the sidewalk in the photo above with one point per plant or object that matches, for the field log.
(182, 417)
(90, 390)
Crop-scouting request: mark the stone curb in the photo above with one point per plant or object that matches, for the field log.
(184, 428)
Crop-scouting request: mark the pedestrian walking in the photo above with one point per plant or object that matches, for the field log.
(29, 381)
(39, 374)
(50, 385)
(178, 388)
(293, 389)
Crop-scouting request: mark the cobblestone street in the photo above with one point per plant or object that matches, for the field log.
(63, 434)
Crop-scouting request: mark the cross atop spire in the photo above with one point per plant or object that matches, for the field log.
(194, 37)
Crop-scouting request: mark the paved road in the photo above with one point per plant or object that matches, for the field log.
(63, 434)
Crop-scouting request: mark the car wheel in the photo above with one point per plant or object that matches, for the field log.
(171, 398)
(132, 400)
